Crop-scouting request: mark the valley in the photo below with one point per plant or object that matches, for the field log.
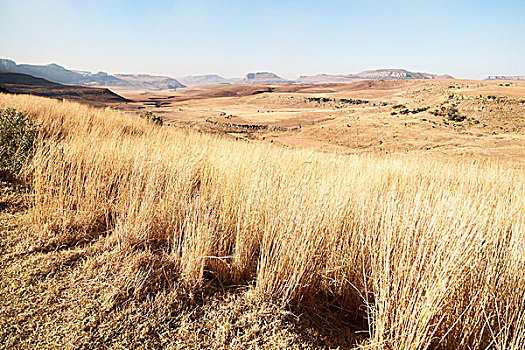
(441, 117)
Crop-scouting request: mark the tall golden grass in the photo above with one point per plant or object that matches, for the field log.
(421, 253)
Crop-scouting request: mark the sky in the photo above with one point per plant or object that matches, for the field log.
(467, 39)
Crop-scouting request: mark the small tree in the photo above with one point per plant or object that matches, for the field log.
(149, 116)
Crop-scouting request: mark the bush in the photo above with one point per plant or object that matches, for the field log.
(451, 113)
(149, 116)
(457, 117)
(17, 137)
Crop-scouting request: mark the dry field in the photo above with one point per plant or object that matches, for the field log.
(140, 236)
(290, 115)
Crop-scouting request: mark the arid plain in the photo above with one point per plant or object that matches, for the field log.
(443, 117)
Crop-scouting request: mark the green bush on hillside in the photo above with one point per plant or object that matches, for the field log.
(150, 117)
(17, 137)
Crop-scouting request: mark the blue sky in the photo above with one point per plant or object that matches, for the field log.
(468, 39)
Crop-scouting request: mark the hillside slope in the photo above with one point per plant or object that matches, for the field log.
(136, 227)
(19, 83)
(206, 79)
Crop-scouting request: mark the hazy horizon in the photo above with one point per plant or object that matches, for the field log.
(471, 39)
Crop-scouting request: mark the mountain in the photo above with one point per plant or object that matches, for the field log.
(150, 82)
(207, 79)
(58, 74)
(396, 74)
(20, 83)
(507, 77)
(264, 78)
(52, 72)
(379, 74)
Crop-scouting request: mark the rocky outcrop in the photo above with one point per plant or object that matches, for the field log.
(264, 78)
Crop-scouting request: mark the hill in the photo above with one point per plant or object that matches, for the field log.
(444, 117)
(52, 72)
(58, 74)
(396, 74)
(155, 237)
(19, 83)
(264, 78)
(149, 82)
(206, 79)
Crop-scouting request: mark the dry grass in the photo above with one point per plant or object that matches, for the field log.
(417, 253)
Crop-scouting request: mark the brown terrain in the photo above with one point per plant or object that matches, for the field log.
(433, 116)
(71, 278)
(18, 83)
(440, 116)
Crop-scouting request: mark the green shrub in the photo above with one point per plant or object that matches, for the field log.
(149, 116)
(17, 137)
(457, 117)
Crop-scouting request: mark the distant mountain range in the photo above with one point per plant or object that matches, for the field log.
(271, 78)
(58, 74)
(507, 77)
(250, 78)
(19, 83)
(379, 74)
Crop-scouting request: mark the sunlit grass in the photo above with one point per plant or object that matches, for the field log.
(423, 252)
